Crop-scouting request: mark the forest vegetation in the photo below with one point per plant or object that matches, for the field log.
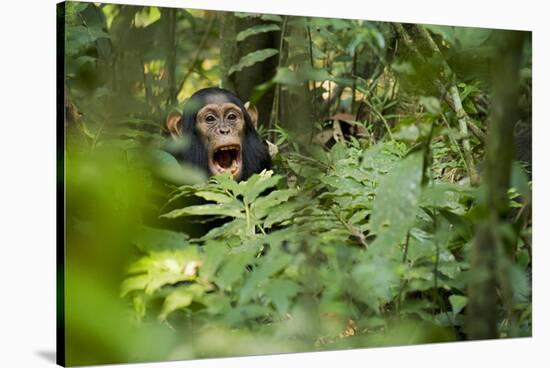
(397, 211)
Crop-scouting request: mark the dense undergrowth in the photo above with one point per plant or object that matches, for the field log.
(339, 249)
(362, 235)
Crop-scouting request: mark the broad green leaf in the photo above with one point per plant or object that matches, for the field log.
(396, 203)
(281, 213)
(180, 298)
(233, 269)
(134, 283)
(519, 281)
(258, 183)
(271, 264)
(214, 254)
(221, 198)
(264, 205)
(140, 306)
(225, 181)
(519, 180)
(243, 313)
(232, 209)
(177, 299)
(162, 268)
(261, 28)
(146, 17)
(377, 280)
(252, 58)
(445, 196)
(280, 292)
(235, 228)
(458, 302)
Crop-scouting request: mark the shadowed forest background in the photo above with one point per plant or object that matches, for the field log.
(398, 210)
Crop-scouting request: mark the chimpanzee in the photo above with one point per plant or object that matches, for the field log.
(222, 134)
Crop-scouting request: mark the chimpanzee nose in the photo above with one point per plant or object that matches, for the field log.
(224, 130)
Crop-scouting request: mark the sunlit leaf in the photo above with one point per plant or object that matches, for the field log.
(396, 203)
(252, 58)
(232, 209)
(458, 302)
(261, 28)
(180, 298)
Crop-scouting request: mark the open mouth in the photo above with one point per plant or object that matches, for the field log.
(226, 159)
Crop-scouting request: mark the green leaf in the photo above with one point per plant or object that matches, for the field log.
(396, 203)
(252, 58)
(520, 180)
(377, 281)
(280, 291)
(162, 268)
(233, 269)
(140, 307)
(232, 209)
(520, 284)
(270, 265)
(264, 205)
(221, 198)
(235, 228)
(458, 302)
(258, 183)
(226, 182)
(134, 283)
(261, 28)
(214, 254)
(180, 298)
(281, 213)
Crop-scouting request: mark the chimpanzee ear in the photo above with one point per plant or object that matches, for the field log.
(253, 113)
(172, 125)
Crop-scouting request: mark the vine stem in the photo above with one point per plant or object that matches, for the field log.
(249, 226)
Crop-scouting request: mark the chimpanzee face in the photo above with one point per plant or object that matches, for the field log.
(221, 128)
(221, 133)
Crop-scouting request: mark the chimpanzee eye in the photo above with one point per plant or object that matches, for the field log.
(210, 118)
(232, 116)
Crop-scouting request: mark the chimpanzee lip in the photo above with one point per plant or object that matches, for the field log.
(226, 158)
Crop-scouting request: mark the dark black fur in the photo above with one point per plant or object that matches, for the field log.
(255, 156)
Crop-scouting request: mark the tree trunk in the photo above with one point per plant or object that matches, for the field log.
(488, 256)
